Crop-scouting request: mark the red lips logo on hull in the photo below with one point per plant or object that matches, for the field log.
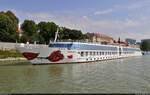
(55, 56)
(30, 55)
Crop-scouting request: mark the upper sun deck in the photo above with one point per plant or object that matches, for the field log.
(88, 46)
(82, 46)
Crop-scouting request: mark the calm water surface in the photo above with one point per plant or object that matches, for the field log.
(130, 75)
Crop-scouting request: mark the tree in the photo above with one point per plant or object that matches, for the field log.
(73, 34)
(145, 46)
(47, 31)
(24, 39)
(65, 33)
(14, 20)
(30, 29)
(8, 27)
(84, 36)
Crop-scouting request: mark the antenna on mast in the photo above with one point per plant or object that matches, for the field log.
(56, 34)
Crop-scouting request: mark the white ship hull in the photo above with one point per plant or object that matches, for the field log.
(55, 55)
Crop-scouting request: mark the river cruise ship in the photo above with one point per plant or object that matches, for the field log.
(74, 52)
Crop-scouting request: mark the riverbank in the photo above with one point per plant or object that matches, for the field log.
(10, 55)
(12, 59)
(14, 62)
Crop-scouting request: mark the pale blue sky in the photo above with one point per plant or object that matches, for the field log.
(116, 18)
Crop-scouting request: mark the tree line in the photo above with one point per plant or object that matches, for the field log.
(42, 32)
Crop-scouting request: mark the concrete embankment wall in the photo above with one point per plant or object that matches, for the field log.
(11, 46)
(7, 46)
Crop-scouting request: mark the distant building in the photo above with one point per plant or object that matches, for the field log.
(130, 41)
(147, 40)
(101, 38)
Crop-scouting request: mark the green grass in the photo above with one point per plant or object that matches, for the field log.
(9, 53)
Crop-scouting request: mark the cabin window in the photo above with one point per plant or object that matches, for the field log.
(86, 53)
(102, 53)
(93, 53)
(82, 53)
(90, 53)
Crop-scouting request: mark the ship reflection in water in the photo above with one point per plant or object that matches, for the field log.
(131, 75)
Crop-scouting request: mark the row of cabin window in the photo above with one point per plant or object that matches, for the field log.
(128, 52)
(98, 53)
(102, 53)
(130, 49)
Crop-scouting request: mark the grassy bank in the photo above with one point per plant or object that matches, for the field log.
(9, 53)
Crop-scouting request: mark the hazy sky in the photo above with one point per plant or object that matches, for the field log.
(116, 18)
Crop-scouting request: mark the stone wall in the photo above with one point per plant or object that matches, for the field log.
(7, 46)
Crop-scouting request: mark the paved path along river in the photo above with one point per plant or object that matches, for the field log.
(130, 75)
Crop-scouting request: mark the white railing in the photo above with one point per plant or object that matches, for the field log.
(31, 45)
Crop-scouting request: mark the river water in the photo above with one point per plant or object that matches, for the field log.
(129, 75)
